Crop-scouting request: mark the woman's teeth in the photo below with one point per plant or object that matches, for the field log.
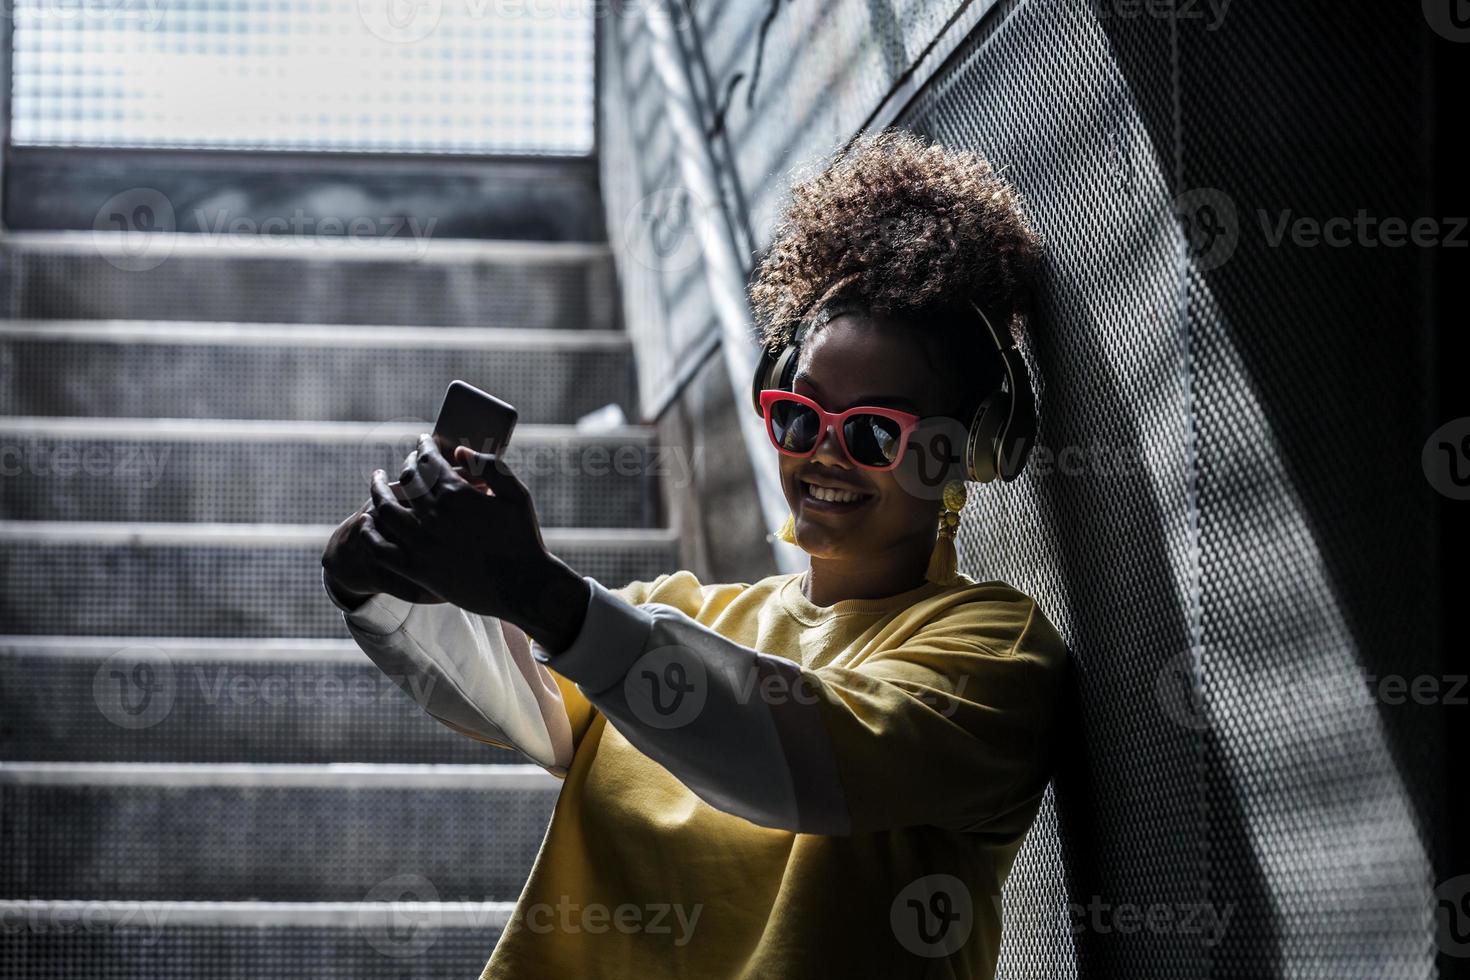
(832, 496)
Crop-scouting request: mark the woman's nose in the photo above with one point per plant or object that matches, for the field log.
(829, 448)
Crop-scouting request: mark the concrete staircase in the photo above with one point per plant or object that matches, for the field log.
(200, 776)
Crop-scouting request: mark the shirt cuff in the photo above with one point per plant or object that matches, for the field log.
(380, 614)
(613, 635)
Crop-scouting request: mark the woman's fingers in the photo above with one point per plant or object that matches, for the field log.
(431, 465)
(383, 551)
(492, 471)
(395, 521)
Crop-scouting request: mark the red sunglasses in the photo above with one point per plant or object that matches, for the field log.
(873, 437)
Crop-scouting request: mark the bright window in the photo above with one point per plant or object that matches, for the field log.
(460, 76)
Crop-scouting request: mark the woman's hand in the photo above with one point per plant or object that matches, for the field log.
(353, 573)
(476, 544)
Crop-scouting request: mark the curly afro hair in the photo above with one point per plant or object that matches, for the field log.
(915, 228)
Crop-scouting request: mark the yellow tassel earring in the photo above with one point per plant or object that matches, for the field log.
(788, 530)
(944, 563)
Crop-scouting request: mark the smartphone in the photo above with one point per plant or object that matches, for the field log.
(470, 417)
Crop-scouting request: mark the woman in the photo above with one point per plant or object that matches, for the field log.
(814, 775)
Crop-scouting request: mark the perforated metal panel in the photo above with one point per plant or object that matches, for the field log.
(411, 281)
(579, 484)
(269, 843)
(58, 705)
(186, 590)
(186, 380)
(245, 953)
(1230, 572)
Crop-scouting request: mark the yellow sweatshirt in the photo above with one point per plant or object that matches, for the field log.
(756, 786)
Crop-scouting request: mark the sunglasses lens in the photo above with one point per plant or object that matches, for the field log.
(872, 439)
(794, 426)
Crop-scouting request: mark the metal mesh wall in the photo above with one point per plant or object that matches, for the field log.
(1226, 515)
(651, 216)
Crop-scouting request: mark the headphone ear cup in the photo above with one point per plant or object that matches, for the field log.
(776, 371)
(1015, 442)
(1018, 432)
(981, 450)
(761, 380)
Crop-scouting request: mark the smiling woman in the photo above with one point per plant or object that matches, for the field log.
(819, 774)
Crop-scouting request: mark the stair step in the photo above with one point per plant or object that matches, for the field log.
(279, 279)
(185, 470)
(116, 579)
(305, 833)
(165, 699)
(280, 371)
(402, 940)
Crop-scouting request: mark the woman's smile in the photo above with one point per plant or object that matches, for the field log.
(817, 499)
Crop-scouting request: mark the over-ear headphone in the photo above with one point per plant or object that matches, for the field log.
(1002, 430)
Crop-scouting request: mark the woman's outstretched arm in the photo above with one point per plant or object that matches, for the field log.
(953, 728)
(473, 673)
